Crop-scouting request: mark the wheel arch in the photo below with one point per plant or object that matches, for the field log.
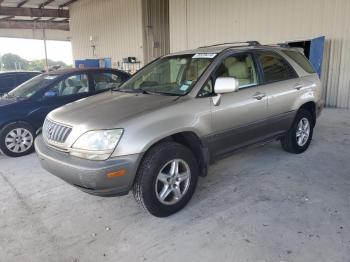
(311, 107)
(6, 124)
(193, 142)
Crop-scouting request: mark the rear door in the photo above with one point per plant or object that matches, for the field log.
(281, 85)
(239, 118)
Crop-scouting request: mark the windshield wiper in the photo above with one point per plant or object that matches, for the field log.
(166, 93)
(144, 91)
(140, 90)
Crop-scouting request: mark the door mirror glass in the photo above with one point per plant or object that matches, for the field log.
(226, 85)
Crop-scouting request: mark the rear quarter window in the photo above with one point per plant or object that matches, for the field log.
(301, 60)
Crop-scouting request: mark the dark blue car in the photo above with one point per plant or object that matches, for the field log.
(23, 110)
(9, 80)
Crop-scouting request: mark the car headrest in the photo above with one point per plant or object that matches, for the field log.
(239, 70)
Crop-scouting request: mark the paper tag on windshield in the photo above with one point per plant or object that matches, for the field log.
(50, 77)
(204, 55)
(184, 87)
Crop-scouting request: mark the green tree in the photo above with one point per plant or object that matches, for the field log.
(39, 65)
(14, 62)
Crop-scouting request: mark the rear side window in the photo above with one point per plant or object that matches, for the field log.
(275, 68)
(301, 60)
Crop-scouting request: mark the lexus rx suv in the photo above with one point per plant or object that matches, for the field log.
(160, 130)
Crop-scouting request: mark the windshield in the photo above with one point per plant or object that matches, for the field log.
(32, 86)
(170, 75)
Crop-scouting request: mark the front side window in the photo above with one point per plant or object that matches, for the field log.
(72, 85)
(241, 67)
(103, 81)
(275, 68)
(174, 75)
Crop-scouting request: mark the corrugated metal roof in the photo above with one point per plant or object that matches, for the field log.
(35, 3)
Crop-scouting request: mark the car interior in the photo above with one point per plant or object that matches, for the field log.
(72, 85)
(242, 68)
(106, 81)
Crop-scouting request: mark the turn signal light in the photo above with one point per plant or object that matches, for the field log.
(119, 173)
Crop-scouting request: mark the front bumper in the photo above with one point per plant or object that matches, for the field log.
(88, 175)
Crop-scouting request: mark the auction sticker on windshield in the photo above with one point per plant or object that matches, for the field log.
(50, 77)
(203, 55)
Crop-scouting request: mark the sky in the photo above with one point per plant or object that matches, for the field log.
(30, 49)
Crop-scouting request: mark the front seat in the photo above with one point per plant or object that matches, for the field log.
(70, 89)
(238, 70)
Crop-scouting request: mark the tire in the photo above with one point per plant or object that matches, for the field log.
(17, 139)
(292, 141)
(149, 183)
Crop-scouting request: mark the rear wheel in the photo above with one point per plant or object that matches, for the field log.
(17, 139)
(299, 137)
(166, 179)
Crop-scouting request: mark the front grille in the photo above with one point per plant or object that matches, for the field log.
(54, 132)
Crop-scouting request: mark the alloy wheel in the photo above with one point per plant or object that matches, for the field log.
(173, 181)
(303, 131)
(19, 140)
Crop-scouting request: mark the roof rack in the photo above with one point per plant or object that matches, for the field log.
(249, 43)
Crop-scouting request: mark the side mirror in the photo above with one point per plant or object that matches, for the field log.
(226, 85)
(49, 94)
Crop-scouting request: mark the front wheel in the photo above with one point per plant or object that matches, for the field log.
(166, 179)
(17, 139)
(299, 137)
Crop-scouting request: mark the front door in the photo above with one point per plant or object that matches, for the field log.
(239, 117)
(70, 89)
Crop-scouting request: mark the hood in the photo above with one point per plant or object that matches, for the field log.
(108, 109)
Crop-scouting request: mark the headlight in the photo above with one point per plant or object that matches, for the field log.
(96, 145)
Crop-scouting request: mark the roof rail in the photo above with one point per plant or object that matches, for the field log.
(249, 43)
(283, 45)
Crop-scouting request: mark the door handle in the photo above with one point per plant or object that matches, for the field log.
(298, 86)
(259, 96)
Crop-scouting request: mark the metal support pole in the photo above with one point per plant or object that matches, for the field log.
(46, 62)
